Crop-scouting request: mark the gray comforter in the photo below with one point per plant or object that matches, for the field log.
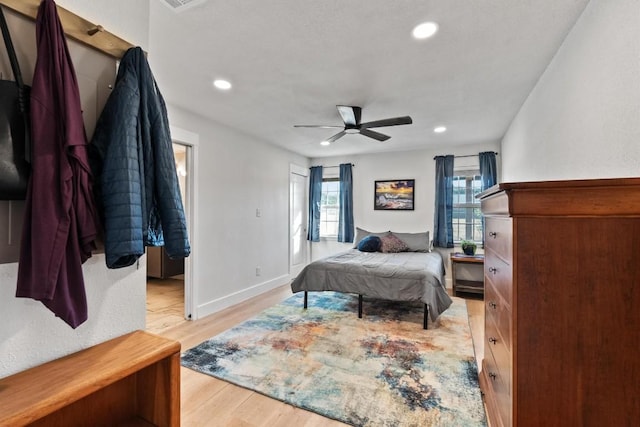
(405, 276)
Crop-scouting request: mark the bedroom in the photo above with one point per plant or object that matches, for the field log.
(579, 120)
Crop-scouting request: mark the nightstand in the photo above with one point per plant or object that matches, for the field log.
(466, 286)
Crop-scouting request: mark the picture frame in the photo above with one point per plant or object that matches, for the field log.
(394, 195)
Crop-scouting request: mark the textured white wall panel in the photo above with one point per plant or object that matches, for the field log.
(30, 334)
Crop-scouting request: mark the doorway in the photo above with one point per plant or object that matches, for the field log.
(166, 276)
(298, 246)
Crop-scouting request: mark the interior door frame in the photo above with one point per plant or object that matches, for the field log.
(304, 172)
(191, 141)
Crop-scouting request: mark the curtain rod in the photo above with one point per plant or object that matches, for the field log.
(469, 155)
(327, 167)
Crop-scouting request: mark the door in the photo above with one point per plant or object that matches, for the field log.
(298, 219)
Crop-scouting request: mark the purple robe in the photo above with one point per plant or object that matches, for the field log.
(60, 223)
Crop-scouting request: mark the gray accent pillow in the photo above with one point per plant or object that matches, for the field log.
(361, 234)
(417, 242)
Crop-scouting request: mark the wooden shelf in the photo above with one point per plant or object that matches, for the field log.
(76, 27)
(132, 380)
(470, 286)
(461, 285)
(460, 257)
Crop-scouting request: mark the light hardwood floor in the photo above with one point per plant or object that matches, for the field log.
(207, 401)
(165, 303)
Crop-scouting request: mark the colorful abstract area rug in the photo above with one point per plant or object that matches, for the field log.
(381, 370)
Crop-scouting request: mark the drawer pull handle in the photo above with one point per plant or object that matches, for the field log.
(493, 270)
(493, 234)
(493, 305)
(492, 376)
(493, 340)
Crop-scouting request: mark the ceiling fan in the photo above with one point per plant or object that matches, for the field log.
(351, 118)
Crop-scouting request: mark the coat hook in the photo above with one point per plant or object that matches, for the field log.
(94, 30)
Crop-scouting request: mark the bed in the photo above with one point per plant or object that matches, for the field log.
(403, 276)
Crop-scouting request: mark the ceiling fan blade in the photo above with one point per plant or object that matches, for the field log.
(350, 115)
(375, 135)
(405, 120)
(336, 136)
(316, 126)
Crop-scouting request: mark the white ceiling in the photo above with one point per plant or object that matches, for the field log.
(292, 61)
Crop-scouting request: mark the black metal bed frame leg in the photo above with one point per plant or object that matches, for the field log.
(305, 300)
(426, 315)
(359, 306)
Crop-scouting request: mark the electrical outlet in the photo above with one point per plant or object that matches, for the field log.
(258, 271)
(258, 213)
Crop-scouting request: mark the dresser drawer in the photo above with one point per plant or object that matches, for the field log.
(498, 313)
(497, 345)
(499, 364)
(498, 236)
(499, 273)
(500, 390)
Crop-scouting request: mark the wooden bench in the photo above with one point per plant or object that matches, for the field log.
(132, 380)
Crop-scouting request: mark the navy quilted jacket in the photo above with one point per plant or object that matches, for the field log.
(132, 160)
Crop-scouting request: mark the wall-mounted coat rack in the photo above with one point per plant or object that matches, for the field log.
(77, 28)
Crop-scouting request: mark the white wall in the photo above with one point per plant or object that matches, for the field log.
(582, 120)
(29, 333)
(418, 165)
(127, 19)
(237, 175)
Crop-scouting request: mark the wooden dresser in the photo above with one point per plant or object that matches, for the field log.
(562, 303)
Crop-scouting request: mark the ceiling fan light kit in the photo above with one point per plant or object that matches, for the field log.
(351, 118)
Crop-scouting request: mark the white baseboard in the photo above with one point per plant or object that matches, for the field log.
(237, 297)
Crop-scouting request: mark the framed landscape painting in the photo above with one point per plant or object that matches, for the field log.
(395, 195)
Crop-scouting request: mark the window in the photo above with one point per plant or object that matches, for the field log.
(330, 207)
(467, 218)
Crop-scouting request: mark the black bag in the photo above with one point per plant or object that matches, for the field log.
(15, 141)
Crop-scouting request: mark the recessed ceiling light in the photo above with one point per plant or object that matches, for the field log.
(222, 84)
(425, 30)
(439, 129)
(325, 143)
